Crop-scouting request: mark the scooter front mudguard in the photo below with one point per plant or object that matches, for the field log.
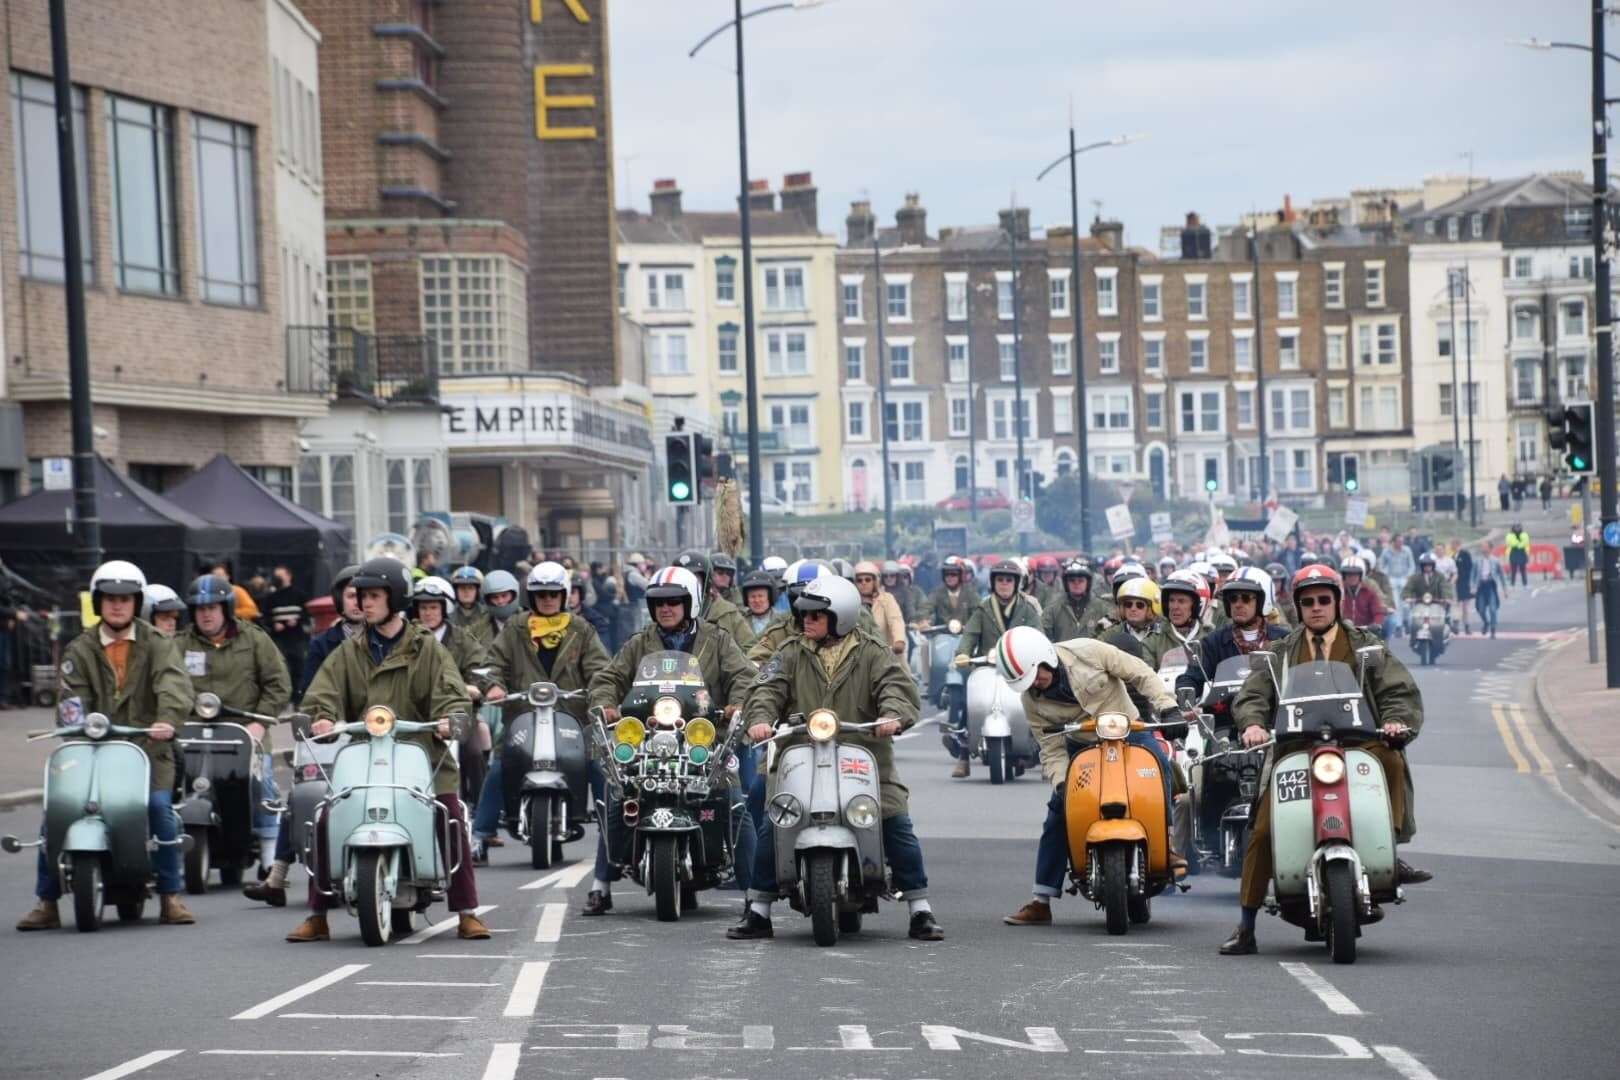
(116, 775)
(87, 834)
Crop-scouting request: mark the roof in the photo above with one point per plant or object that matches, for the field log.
(693, 227)
(221, 489)
(1538, 189)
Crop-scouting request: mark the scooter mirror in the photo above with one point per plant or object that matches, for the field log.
(10, 844)
(1186, 697)
(207, 705)
(458, 724)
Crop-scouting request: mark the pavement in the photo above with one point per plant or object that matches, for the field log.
(1582, 711)
(1490, 971)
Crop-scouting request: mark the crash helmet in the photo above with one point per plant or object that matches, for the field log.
(800, 574)
(696, 563)
(431, 588)
(1353, 564)
(893, 569)
(1246, 582)
(115, 578)
(833, 595)
(1139, 588)
(158, 598)
(1183, 582)
(759, 579)
(776, 566)
(1318, 574)
(1077, 568)
(1310, 558)
(386, 572)
(868, 568)
(905, 568)
(212, 589)
(1042, 564)
(466, 575)
(954, 564)
(546, 577)
(340, 584)
(1019, 654)
(1202, 568)
(1427, 559)
(720, 560)
(1167, 565)
(1277, 571)
(1222, 562)
(1007, 568)
(676, 583)
(1127, 571)
(843, 568)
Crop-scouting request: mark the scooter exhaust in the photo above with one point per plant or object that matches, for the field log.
(632, 811)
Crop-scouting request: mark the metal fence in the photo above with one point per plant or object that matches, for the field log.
(350, 363)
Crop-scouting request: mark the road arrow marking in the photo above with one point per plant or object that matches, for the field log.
(265, 1008)
(566, 878)
(525, 997)
(1408, 1066)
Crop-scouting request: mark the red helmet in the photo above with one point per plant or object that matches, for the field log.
(1041, 563)
(1318, 574)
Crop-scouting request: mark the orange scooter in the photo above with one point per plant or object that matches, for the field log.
(1119, 834)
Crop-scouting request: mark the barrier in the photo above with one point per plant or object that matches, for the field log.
(1545, 559)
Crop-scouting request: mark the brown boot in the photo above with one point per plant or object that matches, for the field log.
(42, 916)
(472, 928)
(265, 893)
(173, 912)
(311, 929)
(1034, 913)
(961, 769)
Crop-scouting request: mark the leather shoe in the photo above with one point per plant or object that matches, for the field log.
(265, 894)
(1034, 913)
(597, 903)
(962, 769)
(1241, 943)
(472, 928)
(311, 929)
(172, 911)
(924, 927)
(495, 841)
(1406, 874)
(753, 927)
(43, 916)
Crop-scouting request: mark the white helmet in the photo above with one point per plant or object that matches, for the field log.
(1222, 562)
(547, 577)
(835, 595)
(1202, 568)
(774, 564)
(1353, 564)
(116, 578)
(664, 586)
(434, 587)
(1262, 581)
(1020, 652)
(160, 598)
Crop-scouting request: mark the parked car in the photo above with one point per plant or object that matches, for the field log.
(768, 503)
(989, 499)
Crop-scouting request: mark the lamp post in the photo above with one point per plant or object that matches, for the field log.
(1082, 412)
(756, 517)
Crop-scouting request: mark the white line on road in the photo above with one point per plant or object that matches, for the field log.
(551, 923)
(503, 1061)
(412, 982)
(135, 1065)
(464, 956)
(369, 1016)
(1129, 945)
(525, 997)
(1405, 1064)
(566, 878)
(1325, 991)
(441, 926)
(328, 1053)
(265, 1008)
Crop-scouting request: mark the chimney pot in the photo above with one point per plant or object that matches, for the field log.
(799, 196)
(666, 200)
(912, 221)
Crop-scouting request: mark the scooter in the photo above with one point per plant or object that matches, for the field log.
(1116, 822)
(942, 639)
(375, 842)
(827, 812)
(997, 729)
(221, 781)
(544, 773)
(311, 764)
(96, 828)
(1428, 630)
(1332, 835)
(1224, 776)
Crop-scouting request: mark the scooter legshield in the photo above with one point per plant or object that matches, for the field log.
(1293, 826)
(365, 767)
(117, 775)
(1372, 831)
(1116, 774)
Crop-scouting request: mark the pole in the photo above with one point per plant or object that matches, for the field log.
(87, 523)
(1018, 364)
(883, 393)
(1469, 395)
(1260, 405)
(1603, 411)
(1590, 543)
(756, 512)
(1077, 297)
(1456, 399)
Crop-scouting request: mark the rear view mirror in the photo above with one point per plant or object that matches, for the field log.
(1186, 697)
(1270, 662)
(458, 724)
(10, 844)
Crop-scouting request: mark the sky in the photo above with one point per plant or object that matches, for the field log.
(965, 101)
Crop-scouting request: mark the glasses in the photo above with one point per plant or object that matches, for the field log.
(1313, 601)
(1135, 605)
(669, 603)
(868, 578)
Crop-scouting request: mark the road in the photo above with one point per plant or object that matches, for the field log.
(1499, 968)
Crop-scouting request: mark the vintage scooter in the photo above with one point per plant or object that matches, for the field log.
(1224, 777)
(1118, 831)
(380, 843)
(1428, 629)
(311, 764)
(997, 729)
(826, 808)
(941, 639)
(221, 781)
(96, 829)
(1332, 837)
(544, 773)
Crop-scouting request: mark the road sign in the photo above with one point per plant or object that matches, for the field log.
(1120, 526)
(1611, 534)
(1355, 511)
(1023, 515)
(58, 474)
(1281, 524)
(1159, 522)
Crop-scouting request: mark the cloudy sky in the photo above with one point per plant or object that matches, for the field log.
(965, 101)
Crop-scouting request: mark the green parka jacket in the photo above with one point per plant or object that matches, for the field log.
(941, 607)
(470, 655)
(722, 614)
(478, 622)
(782, 629)
(1061, 622)
(580, 657)
(246, 670)
(156, 690)
(985, 626)
(726, 671)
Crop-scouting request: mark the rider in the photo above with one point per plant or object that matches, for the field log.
(1281, 605)
(1427, 580)
(1003, 609)
(500, 601)
(723, 577)
(551, 645)
(955, 598)
(1363, 607)
(235, 660)
(776, 566)
(125, 670)
(401, 665)
(759, 600)
(1141, 632)
(1390, 691)
(897, 583)
(432, 599)
(884, 608)
(1065, 683)
(1245, 630)
(1166, 566)
(831, 665)
(1048, 589)
(780, 628)
(717, 611)
(469, 614)
(675, 600)
(1074, 614)
(1182, 595)
(162, 607)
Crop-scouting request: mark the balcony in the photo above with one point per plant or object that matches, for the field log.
(379, 369)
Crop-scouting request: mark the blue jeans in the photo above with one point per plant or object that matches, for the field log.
(901, 850)
(164, 824)
(1052, 856)
(491, 801)
(956, 717)
(267, 823)
(605, 870)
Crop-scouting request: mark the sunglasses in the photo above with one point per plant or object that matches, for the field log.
(864, 577)
(669, 603)
(1136, 605)
(1314, 601)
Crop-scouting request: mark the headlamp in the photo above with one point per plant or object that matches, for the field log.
(96, 725)
(666, 712)
(379, 721)
(1113, 726)
(1328, 768)
(700, 733)
(207, 705)
(629, 731)
(822, 724)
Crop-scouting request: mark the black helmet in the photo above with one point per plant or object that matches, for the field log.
(721, 561)
(697, 563)
(1006, 568)
(759, 579)
(1426, 559)
(340, 583)
(1077, 568)
(209, 589)
(386, 572)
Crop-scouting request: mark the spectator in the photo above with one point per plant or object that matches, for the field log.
(1518, 495)
(11, 670)
(288, 629)
(1518, 553)
(1546, 493)
(1503, 490)
(1487, 584)
(1465, 583)
(1397, 563)
(246, 606)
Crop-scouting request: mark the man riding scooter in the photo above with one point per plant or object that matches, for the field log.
(999, 612)
(1075, 613)
(1245, 630)
(1182, 594)
(1389, 689)
(759, 601)
(469, 614)
(718, 612)
(133, 675)
(1063, 684)
(1363, 607)
(162, 608)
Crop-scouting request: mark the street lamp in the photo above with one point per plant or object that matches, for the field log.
(1082, 412)
(756, 516)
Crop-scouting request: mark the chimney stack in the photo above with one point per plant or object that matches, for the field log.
(760, 196)
(912, 221)
(799, 196)
(666, 200)
(1016, 221)
(1195, 238)
(1110, 234)
(861, 223)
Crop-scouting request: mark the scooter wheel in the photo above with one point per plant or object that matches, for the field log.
(89, 893)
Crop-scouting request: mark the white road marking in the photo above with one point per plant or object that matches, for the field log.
(463, 956)
(369, 1016)
(1325, 991)
(328, 1053)
(265, 1008)
(135, 1065)
(566, 878)
(1129, 945)
(412, 982)
(441, 926)
(503, 1061)
(551, 923)
(525, 997)
(1408, 1066)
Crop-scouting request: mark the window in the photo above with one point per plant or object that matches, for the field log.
(963, 475)
(904, 421)
(1380, 344)
(666, 290)
(1001, 418)
(1243, 350)
(40, 247)
(959, 417)
(1333, 285)
(1152, 299)
(1379, 407)
(409, 491)
(1196, 298)
(1004, 294)
(1062, 414)
(1522, 266)
(725, 280)
(1526, 380)
(146, 244)
(1108, 354)
(898, 292)
(1244, 403)
(1111, 464)
(624, 273)
(1526, 324)
(793, 422)
(1375, 284)
(730, 420)
(1580, 266)
(956, 297)
(850, 290)
(784, 288)
(1451, 228)
(1111, 410)
(1153, 353)
(1528, 436)
(909, 479)
(1336, 353)
(1574, 386)
(1007, 357)
(726, 349)
(855, 420)
(348, 294)
(667, 354)
(1288, 351)
(1293, 470)
(1058, 292)
(476, 308)
(278, 478)
(1153, 410)
(900, 361)
(1201, 412)
(1242, 296)
(786, 353)
(792, 480)
(1107, 292)
(1197, 350)
(1578, 222)
(1469, 333)
(1063, 354)
(1338, 406)
(326, 486)
(227, 225)
(1293, 410)
(854, 361)
(1288, 295)
(956, 359)
(1572, 318)
(1476, 226)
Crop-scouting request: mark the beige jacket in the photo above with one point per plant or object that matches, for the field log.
(1098, 675)
(891, 624)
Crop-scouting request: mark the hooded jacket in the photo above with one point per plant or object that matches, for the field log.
(156, 689)
(245, 669)
(1102, 679)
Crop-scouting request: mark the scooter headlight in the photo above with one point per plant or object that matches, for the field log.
(862, 811)
(629, 731)
(700, 733)
(379, 721)
(624, 753)
(698, 755)
(954, 626)
(1113, 726)
(96, 726)
(822, 724)
(666, 712)
(202, 785)
(785, 811)
(1328, 768)
(207, 705)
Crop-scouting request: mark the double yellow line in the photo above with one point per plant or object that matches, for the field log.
(1510, 719)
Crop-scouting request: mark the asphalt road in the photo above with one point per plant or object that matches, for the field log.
(1502, 967)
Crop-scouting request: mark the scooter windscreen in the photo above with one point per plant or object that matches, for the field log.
(1324, 695)
(667, 674)
(1223, 687)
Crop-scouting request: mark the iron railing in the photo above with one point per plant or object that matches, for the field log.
(342, 362)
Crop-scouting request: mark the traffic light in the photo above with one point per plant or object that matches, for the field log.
(705, 459)
(1440, 472)
(680, 476)
(1578, 447)
(1211, 485)
(1351, 483)
(1556, 435)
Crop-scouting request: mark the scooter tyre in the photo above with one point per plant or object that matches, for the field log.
(666, 878)
(689, 898)
(540, 848)
(198, 865)
(821, 896)
(403, 921)
(849, 922)
(1116, 885)
(1341, 925)
(374, 908)
(88, 891)
(131, 911)
(995, 756)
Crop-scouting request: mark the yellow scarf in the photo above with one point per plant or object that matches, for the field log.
(832, 655)
(548, 629)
